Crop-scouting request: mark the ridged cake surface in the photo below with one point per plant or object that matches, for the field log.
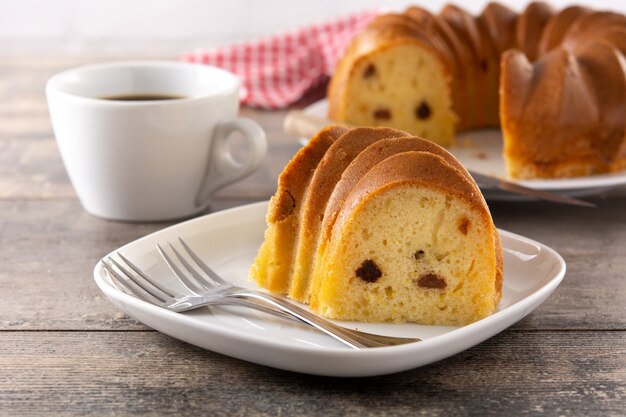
(386, 227)
(273, 265)
(552, 79)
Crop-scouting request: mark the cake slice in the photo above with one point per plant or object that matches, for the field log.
(366, 160)
(272, 267)
(413, 242)
(328, 172)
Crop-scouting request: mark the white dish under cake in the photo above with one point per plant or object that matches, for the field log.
(229, 240)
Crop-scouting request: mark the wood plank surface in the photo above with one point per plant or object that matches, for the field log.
(51, 247)
(65, 350)
(131, 373)
(593, 244)
(49, 250)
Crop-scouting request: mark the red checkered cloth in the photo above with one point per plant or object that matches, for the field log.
(276, 71)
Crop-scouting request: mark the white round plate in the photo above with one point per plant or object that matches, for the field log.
(481, 151)
(228, 242)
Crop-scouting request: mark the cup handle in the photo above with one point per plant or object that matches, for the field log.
(222, 168)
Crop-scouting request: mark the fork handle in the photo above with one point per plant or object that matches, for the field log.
(352, 338)
(253, 304)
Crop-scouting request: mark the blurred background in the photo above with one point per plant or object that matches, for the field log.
(56, 28)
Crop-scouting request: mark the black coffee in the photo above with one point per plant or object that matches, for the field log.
(142, 97)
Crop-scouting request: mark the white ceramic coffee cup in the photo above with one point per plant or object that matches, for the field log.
(150, 160)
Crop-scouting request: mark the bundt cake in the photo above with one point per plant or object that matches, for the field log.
(553, 80)
(390, 228)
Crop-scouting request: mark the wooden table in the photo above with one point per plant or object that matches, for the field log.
(64, 349)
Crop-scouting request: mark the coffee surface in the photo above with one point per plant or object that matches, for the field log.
(142, 97)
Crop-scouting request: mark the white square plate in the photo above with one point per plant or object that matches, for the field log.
(228, 242)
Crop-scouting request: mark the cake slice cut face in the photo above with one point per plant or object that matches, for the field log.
(403, 84)
(413, 242)
(364, 162)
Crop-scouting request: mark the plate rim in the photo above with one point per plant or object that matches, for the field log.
(602, 182)
(497, 321)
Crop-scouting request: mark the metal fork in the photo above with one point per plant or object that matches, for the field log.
(207, 288)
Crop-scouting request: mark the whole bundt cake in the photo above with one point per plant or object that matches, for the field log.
(555, 81)
(384, 227)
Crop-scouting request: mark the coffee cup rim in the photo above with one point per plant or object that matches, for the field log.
(54, 83)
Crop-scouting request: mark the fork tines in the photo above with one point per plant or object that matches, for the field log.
(136, 281)
(192, 272)
(201, 282)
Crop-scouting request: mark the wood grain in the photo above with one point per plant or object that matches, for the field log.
(49, 250)
(593, 244)
(65, 350)
(51, 247)
(131, 373)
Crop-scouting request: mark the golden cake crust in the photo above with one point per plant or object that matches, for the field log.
(326, 175)
(417, 167)
(555, 28)
(530, 27)
(371, 156)
(297, 173)
(272, 267)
